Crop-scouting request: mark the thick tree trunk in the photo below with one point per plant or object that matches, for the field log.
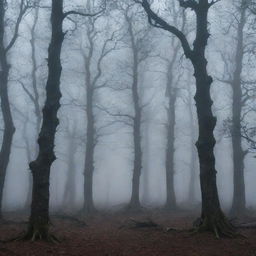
(39, 219)
(239, 201)
(212, 217)
(9, 128)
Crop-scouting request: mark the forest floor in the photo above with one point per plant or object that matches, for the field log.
(119, 235)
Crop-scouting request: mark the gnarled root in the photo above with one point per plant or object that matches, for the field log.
(216, 223)
(35, 232)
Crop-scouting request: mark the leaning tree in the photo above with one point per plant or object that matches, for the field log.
(212, 217)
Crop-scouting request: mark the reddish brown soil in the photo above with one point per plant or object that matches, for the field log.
(114, 235)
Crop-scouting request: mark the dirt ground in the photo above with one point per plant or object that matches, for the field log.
(116, 235)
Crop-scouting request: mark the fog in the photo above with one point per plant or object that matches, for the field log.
(111, 70)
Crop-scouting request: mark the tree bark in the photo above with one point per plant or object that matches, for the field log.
(39, 219)
(9, 128)
(212, 217)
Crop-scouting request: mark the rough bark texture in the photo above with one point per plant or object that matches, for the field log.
(9, 128)
(39, 219)
(239, 202)
(212, 218)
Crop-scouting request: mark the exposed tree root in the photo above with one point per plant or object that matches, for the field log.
(35, 236)
(38, 231)
(219, 225)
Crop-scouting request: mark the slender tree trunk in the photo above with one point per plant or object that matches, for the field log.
(137, 164)
(70, 185)
(9, 128)
(193, 155)
(169, 162)
(146, 176)
(39, 219)
(35, 100)
(88, 207)
(171, 93)
(135, 197)
(137, 120)
(239, 202)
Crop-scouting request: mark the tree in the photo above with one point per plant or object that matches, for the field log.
(239, 98)
(212, 217)
(38, 226)
(32, 90)
(172, 95)
(5, 48)
(139, 53)
(93, 81)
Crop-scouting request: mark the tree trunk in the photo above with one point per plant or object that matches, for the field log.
(135, 197)
(9, 128)
(193, 155)
(169, 162)
(35, 101)
(146, 174)
(137, 164)
(70, 185)
(88, 207)
(212, 217)
(39, 219)
(239, 202)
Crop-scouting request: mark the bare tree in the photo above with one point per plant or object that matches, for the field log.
(38, 227)
(212, 217)
(240, 97)
(5, 48)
